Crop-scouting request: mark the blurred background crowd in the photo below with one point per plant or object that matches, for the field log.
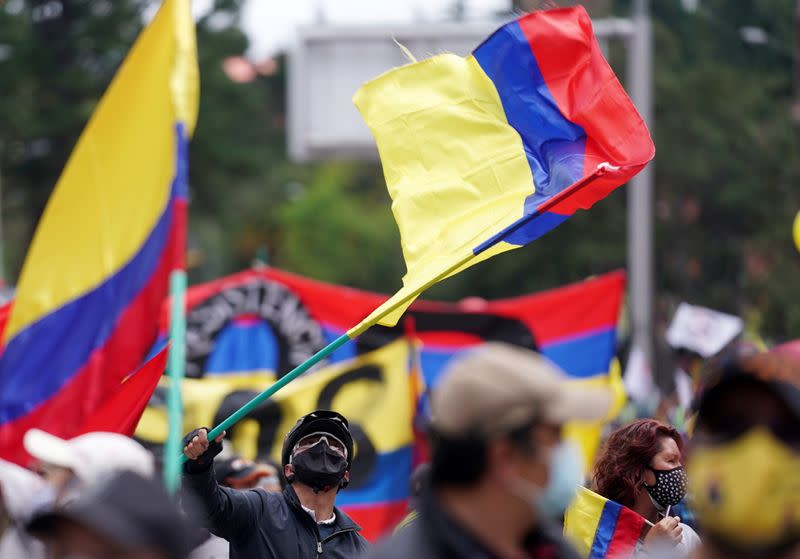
(624, 387)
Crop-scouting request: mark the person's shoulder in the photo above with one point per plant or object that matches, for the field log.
(265, 503)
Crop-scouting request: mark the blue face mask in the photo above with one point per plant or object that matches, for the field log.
(566, 474)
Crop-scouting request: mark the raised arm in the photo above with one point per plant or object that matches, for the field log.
(228, 512)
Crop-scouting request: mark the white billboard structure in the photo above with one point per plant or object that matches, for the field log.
(329, 63)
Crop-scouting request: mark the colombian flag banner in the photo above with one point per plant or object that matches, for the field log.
(489, 152)
(600, 528)
(95, 277)
(266, 321)
(373, 391)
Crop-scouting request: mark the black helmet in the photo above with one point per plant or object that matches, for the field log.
(320, 421)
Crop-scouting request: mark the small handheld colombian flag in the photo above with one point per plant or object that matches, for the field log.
(486, 153)
(600, 528)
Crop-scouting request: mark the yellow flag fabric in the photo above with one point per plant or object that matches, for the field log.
(582, 518)
(116, 183)
(448, 194)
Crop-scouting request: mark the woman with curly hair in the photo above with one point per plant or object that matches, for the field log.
(641, 467)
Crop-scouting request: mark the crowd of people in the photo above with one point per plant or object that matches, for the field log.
(501, 481)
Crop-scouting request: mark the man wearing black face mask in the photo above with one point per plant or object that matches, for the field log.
(300, 522)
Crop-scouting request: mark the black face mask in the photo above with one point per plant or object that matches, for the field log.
(670, 486)
(319, 467)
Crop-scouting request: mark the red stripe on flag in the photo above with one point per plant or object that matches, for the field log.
(379, 519)
(594, 100)
(626, 534)
(121, 412)
(561, 313)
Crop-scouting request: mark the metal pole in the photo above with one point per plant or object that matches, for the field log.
(796, 108)
(2, 252)
(640, 191)
(459, 10)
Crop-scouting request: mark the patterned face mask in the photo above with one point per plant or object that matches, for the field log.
(670, 486)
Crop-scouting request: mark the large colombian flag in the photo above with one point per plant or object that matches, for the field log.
(486, 153)
(96, 273)
(599, 528)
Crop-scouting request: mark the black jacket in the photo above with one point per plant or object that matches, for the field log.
(434, 534)
(270, 525)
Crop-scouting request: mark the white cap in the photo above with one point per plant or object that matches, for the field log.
(19, 488)
(92, 455)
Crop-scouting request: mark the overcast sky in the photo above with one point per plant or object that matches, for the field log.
(271, 24)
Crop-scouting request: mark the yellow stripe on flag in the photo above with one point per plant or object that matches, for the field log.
(117, 181)
(582, 519)
(463, 179)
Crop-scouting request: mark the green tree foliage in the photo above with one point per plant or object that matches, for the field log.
(727, 172)
(56, 59)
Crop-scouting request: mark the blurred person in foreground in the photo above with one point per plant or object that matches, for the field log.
(419, 480)
(19, 489)
(124, 516)
(641, 467)
(744, 470)
(500, 472)
(70, 465)
(302, 521)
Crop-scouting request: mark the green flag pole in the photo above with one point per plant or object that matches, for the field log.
(175, 371)
(283, 381)
(176, 363)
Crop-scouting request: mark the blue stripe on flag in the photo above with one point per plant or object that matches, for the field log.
(66, 337)
(585, 355)
(605, 530)
(241, 348)
(526, 229)
(388, 480)
(554, 146)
